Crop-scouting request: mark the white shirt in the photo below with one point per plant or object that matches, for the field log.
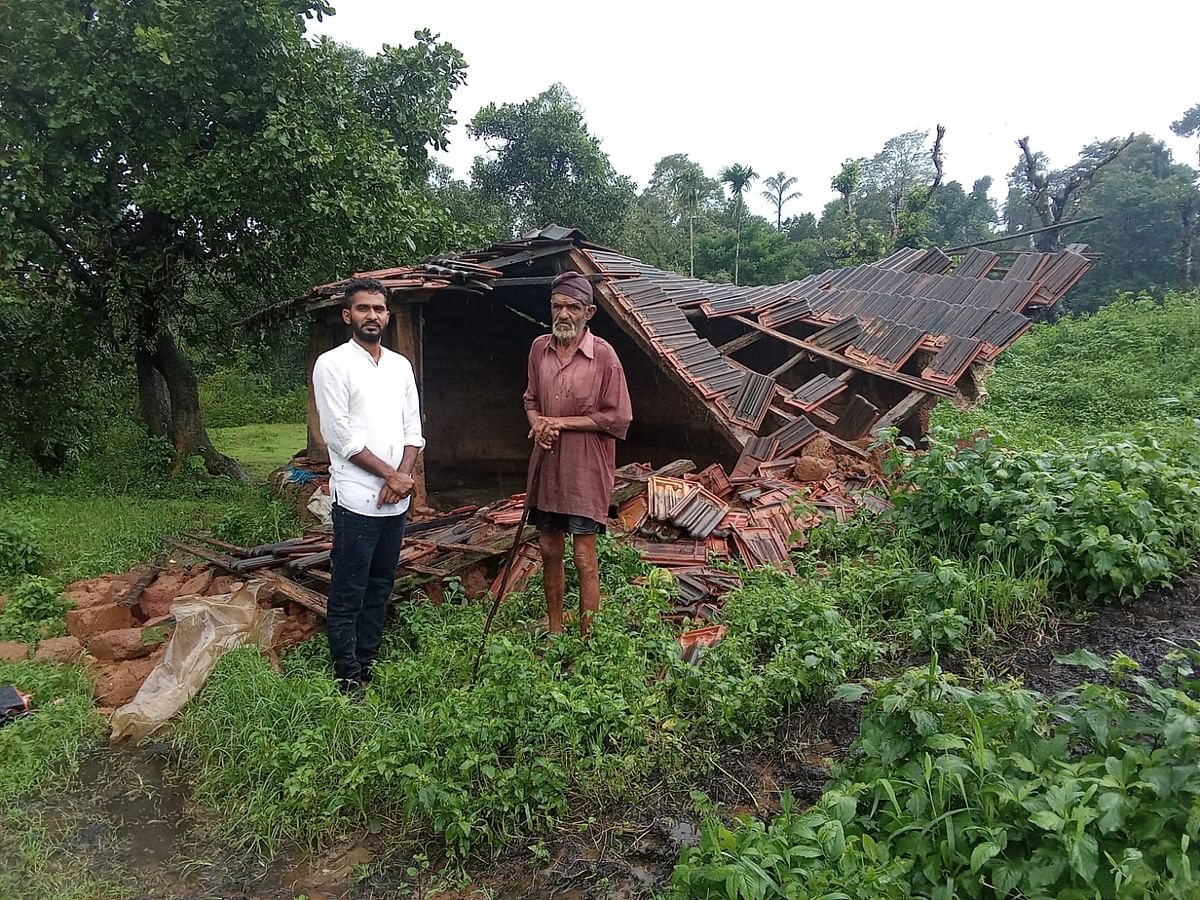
(364, 404)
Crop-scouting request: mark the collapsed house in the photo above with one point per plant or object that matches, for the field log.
(717, 373)
(764, 398)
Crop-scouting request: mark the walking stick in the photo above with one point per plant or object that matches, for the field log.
(508, 565)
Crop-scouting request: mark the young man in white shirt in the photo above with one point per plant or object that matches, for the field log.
(366, 397)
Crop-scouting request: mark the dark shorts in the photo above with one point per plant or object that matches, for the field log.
(561, 522)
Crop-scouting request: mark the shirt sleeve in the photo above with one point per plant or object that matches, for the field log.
(412, 412)
(532, 386)
(331, 390)
(613, 411)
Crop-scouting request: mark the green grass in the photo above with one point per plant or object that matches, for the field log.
(1135, 361)
(37, 748)
(85, 535)
(36, 867)
(260, 448)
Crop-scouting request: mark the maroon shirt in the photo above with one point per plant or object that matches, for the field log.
(577, 477)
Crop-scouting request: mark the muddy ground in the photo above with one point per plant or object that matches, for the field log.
(129, 814)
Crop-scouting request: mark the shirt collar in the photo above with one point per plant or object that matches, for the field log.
(587, 346)
(362, 351)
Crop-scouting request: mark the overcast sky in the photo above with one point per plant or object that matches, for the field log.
(800, 87)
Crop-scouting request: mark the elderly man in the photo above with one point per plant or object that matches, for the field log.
(370, 418)
(578, 406)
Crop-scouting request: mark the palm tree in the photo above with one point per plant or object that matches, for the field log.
(779, 185)
(738, 177)
(687, 186)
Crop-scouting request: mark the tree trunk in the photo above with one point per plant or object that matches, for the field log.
(692, 243)
(187, 426)
(153, 396)
(1189, 241)
(737, 247)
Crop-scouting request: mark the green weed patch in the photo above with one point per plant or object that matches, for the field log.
(956, 791)
(1106, 520)
(36, 749)
(550, 724)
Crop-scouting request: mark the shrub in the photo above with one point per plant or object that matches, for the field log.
(20, 552)
(993, 791)
(1109, 519)
(36, 609)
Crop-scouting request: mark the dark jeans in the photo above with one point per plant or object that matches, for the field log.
(365, 550)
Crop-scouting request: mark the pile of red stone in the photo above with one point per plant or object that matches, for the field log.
(121, 624)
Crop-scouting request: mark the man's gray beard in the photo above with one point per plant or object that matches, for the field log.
(365, 336)
(567, 337)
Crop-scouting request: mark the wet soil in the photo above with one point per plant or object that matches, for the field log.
(129, 814)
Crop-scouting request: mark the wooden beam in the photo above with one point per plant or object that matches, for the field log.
(901, 411)
(297, 593)
(217, 559)
(539, 280)
(740, 343)
(790, 364)
(898, 377)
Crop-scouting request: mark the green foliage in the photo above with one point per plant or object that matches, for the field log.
(266, 522)
(149, 146)
(787, 643)
(992, 791)
(241, 395)
(548, 725)
(1142, 234)
(38, 748)
(86, 532)
(20, 552)
(1107, 520)
(1136, 360)
(546, 167)
(36, 609)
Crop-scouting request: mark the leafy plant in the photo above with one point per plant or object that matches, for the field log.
(1109, 519)
(35, 610)
(20, 552)
(989, 791)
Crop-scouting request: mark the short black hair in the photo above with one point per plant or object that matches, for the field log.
(362, 286)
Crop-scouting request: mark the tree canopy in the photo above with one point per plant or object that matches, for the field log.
(144, 145)
(543, 165)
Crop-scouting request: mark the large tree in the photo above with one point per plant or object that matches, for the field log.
(905, 174)
(543, 166)
(1054, 195)
(1188, 125)
(1143, 233)
(146, 143)
(739, 179)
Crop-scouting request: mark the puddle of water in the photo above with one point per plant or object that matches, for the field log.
(683, 831)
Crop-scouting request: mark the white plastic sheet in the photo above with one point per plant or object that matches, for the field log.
(205, 629)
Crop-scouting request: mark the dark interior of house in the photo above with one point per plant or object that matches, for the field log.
(476, 351)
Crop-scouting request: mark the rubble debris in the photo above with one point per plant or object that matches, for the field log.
(13, 651)
(694, 643)
(63, 651)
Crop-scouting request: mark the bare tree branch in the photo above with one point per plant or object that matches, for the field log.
(1038, 184)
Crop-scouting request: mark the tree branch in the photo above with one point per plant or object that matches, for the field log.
(1038, 185)
(73, 258)
(1081, 179)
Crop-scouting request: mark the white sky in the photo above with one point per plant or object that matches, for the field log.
(801, 87)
